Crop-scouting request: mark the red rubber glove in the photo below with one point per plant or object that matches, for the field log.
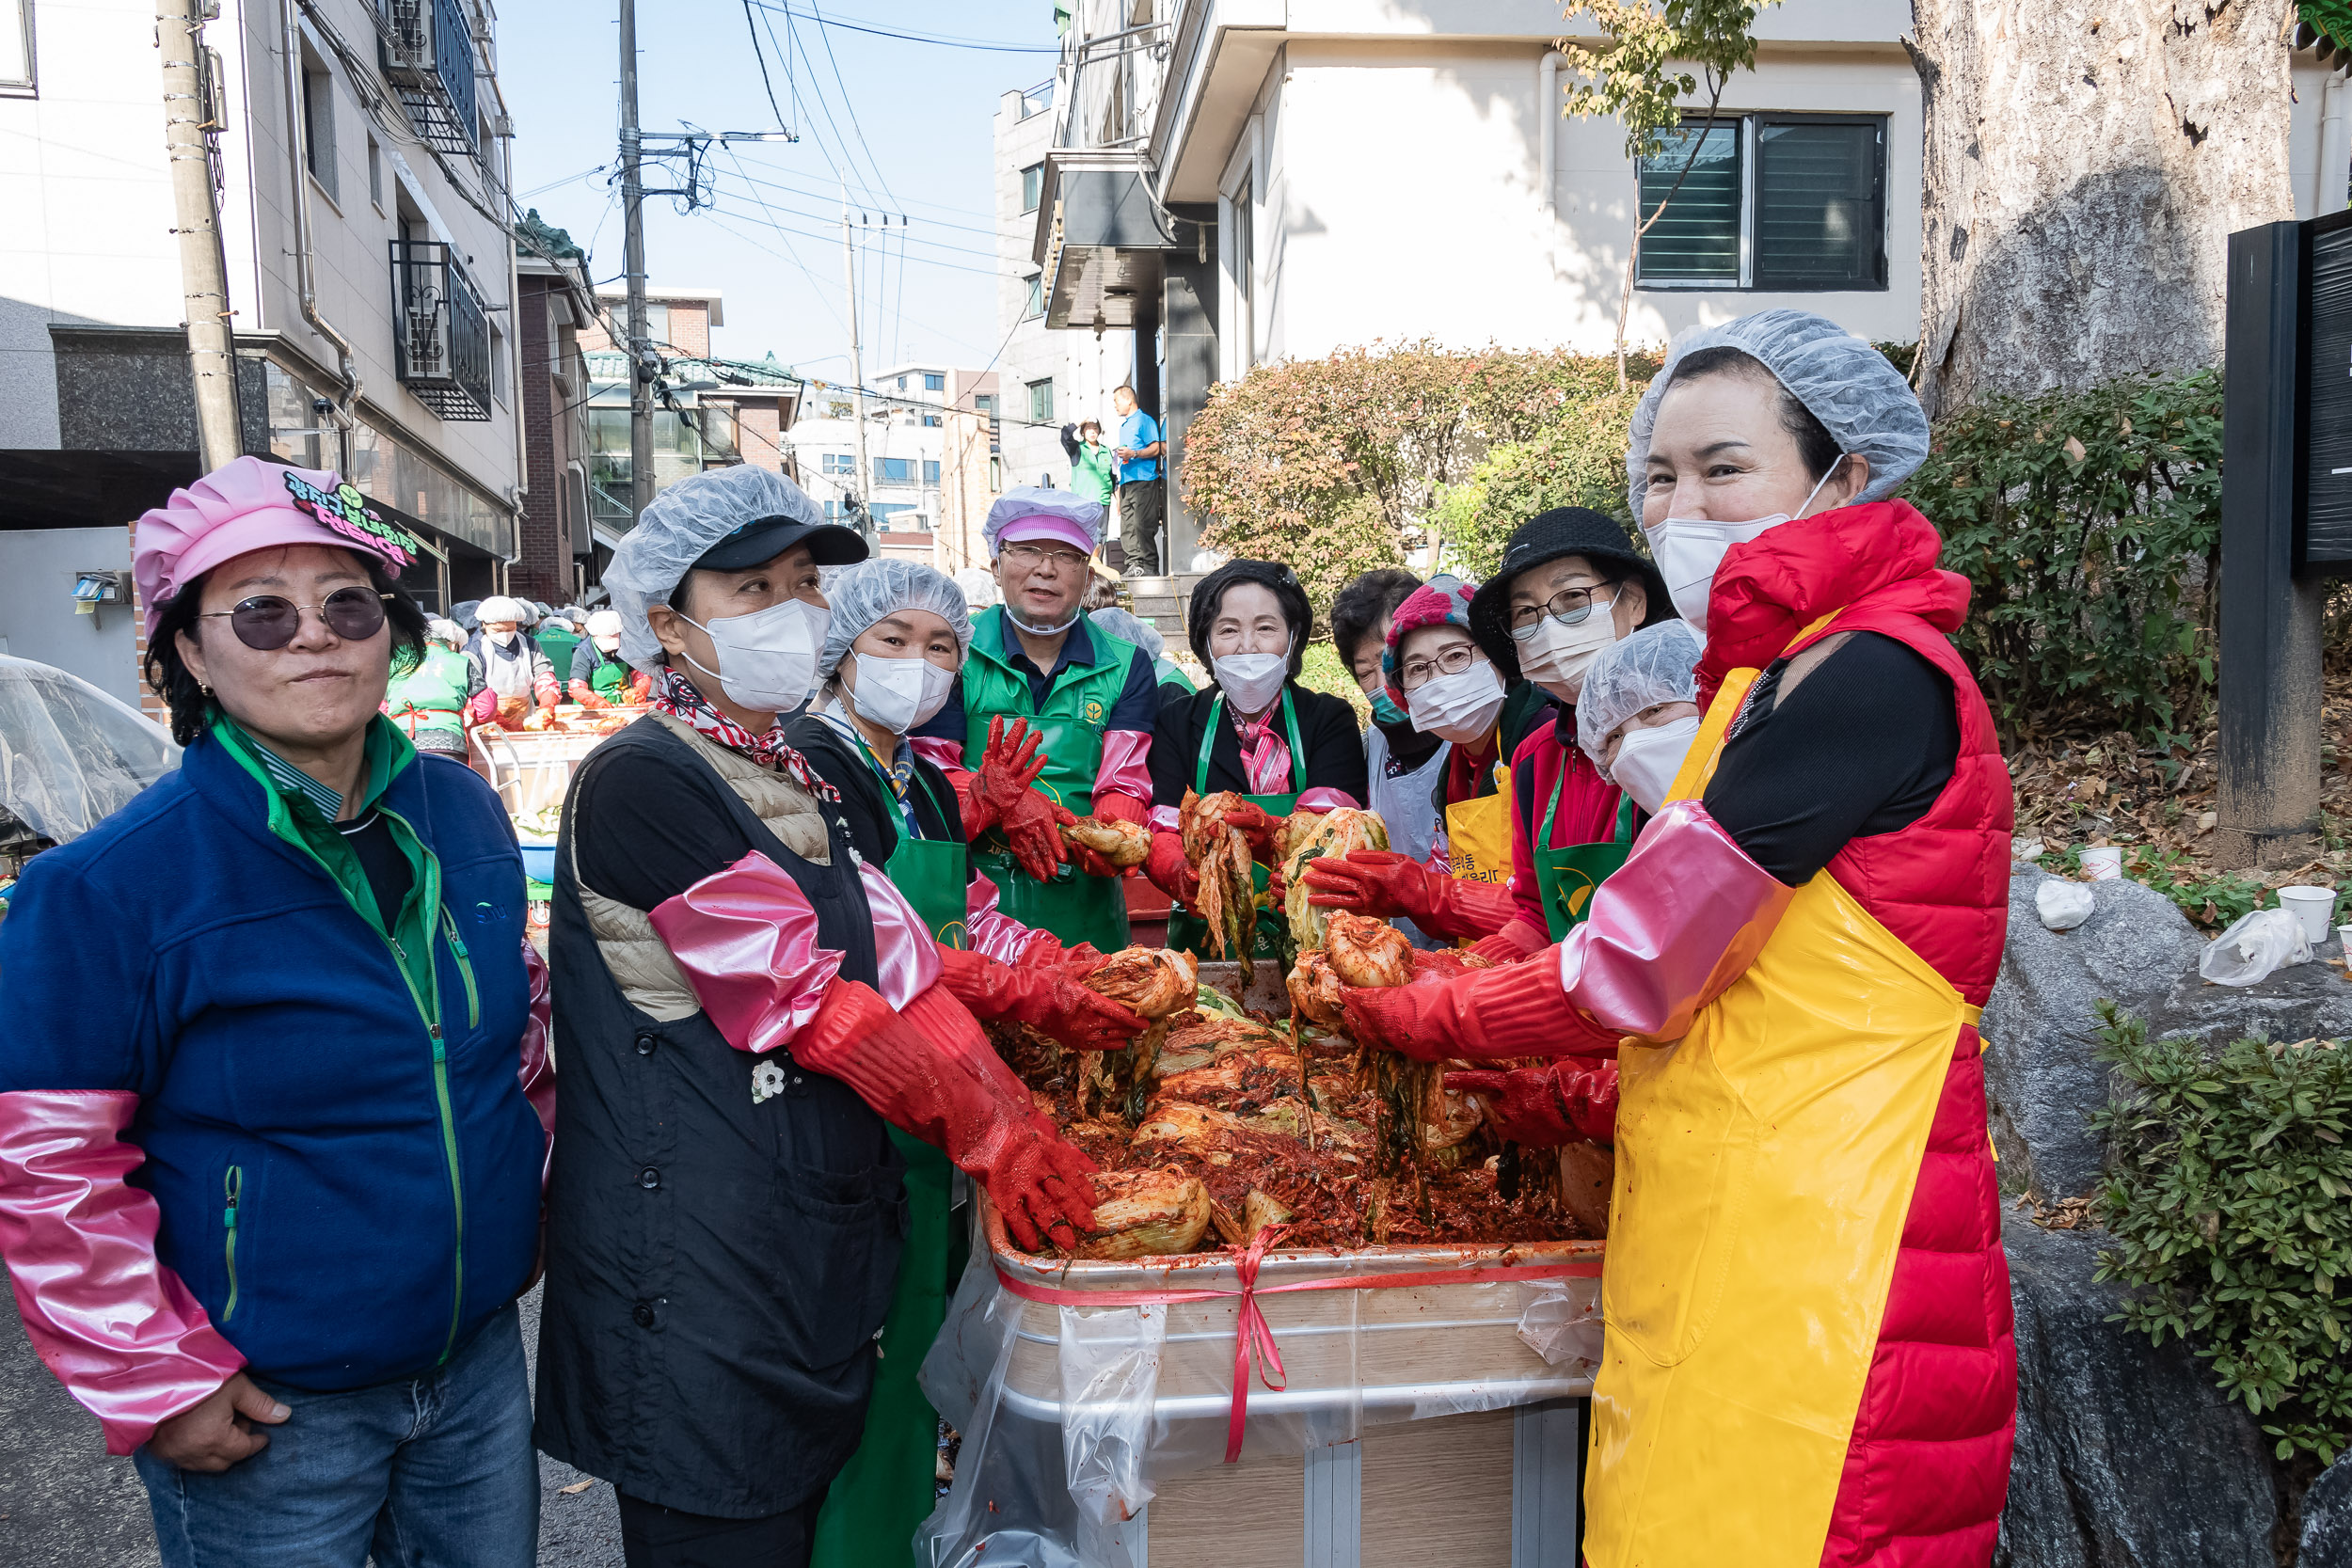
(1009, 764)
(1519, 1010)
(1166, 868)
(1109, 806)
(640, 687)
(1044, 997)
(1255, 826)
(1519, 939)
(929, 1069)
(1543, 1107)
(1384, 884)
(1034, 825)
(585, 695)
(549, 700)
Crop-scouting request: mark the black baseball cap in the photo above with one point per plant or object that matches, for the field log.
(1545, 538)
(763, 538)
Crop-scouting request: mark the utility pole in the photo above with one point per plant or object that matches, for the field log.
(203, 274)
(640, 375)
(865, 520)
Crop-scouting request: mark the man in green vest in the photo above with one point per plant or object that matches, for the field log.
(598, 676)
(1089, 696)
(429, 701)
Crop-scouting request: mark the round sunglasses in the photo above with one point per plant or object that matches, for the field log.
(266, 623)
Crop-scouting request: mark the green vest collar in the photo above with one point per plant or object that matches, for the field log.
(387, 752)
(1080, 647)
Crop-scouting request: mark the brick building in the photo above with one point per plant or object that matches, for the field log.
(555, 559)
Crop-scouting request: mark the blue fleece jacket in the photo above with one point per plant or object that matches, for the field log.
(348, 1202)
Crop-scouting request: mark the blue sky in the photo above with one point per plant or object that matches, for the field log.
(911, 133)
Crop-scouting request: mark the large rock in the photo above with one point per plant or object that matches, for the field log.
(2127, 1456)
(2041, 1080)
(2327, 1540)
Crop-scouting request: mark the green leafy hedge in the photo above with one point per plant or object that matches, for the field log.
(2091, 524)
(2229, 1200)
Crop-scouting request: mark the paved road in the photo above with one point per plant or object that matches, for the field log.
(64, 1504)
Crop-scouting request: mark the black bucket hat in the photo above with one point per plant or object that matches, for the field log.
(1541, 540)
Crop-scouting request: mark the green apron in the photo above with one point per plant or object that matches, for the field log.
(1186, 931)
(1073, 905)
(1565, 877)
(889, 1487)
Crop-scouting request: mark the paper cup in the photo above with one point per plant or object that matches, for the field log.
(2103, 864)
(2315, 906)
(2343, 938)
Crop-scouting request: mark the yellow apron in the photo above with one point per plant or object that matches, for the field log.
(1765, 1165)
(1478, 833)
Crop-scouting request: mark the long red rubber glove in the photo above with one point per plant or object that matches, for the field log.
(1254, 825)
(1033, 825)
(1543, 1107)
(1045, 996)
(929, 1069)
(1520, 1010)
(1517, 940)
(1384, 884)
(1109, 806)
(1009, 764)
(1165, 869)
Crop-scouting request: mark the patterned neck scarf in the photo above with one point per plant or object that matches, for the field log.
(678, 697)
(1265, 757)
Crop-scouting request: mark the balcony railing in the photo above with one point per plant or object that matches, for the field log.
(427, 55)
(440, 336)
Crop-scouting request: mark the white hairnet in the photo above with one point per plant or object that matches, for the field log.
(604, 622)
(1143, 634)
(1656, 664)
(445, 631)
(1861, 400)
(1031, 501)
(867, 591)
(978, 585)
(676, 527)
(497, 606)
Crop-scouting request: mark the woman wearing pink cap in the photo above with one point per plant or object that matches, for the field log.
(271, 1142)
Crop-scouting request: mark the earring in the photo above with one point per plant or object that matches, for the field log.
(205, 690)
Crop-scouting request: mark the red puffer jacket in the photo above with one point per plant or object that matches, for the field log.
(1927, 1469)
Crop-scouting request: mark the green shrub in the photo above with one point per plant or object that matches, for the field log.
(1577, 459)
(1324, 463)
(2230, 1201)
(2090, 523)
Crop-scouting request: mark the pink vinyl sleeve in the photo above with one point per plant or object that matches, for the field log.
(746, 938)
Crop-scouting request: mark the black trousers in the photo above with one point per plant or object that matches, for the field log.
(653, 1536)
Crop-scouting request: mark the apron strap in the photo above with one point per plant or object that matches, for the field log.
(1624, 818)
(1208, 741)
(1542, 834)
(1707, 747)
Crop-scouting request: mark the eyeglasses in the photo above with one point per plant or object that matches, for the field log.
(1030, 557)
(1567, 607)
(1450, 663)
(266, 623)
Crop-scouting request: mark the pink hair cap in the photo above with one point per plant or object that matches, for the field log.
(248, 504)
(1039, 525)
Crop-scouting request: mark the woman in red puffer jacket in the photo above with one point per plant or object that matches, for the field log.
(1809, 1353)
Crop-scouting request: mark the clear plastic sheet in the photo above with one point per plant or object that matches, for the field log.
(1070, 1414)
(69, 754)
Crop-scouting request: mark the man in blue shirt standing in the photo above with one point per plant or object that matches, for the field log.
(1139, 497)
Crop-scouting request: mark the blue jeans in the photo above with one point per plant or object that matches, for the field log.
(436, 1472)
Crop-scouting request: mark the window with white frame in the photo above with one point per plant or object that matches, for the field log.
(838, 463)
(1032, 187)
(1042, 402)
(1788, 202)
(16, 48)
(1035, 306)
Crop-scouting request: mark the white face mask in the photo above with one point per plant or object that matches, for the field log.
(1690, 550)
(1556, 656)
(1647, 760)
(610, 645)
(1460, 708)
(1251, 681)
(896, 694)
(766, 660)
(504, 639)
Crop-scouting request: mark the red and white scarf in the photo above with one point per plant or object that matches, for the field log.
(678, 697)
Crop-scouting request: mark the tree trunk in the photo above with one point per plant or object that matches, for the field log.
(2084, 167)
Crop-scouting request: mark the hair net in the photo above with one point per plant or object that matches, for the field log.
(1030, 500)
(867, 591)
(676, 527)
(445, 631)
(1126, 625)
(1654, 665)
(497, 606)
(1863, 401)
(604, 622)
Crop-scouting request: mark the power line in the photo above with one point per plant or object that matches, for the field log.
(943, 40)
(824, 217)
(848, 102)
(805, 234)
(940, 223)
(758, 54)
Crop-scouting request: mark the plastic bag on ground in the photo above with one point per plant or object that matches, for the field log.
(2255, 946)
(2063, 905)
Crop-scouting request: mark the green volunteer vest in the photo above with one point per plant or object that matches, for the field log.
(436, 685)
(558, 646)
(1073, 905)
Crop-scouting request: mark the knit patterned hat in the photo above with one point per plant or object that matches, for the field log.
(1442, 600)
